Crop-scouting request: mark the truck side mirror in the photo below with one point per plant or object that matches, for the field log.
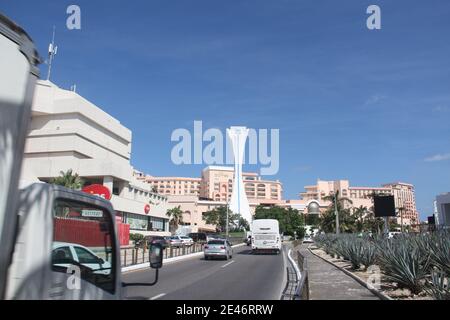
(156, 255)
(156, 262)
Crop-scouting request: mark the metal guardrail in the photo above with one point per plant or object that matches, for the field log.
(133, 255)
(297, 286)
(302, 292)
(136, 255)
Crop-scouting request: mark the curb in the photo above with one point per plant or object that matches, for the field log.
(140, 266)
(379, 294)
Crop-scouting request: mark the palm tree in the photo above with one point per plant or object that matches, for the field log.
(176, 217)
(401, 210)
(359, 215)
(337, 205)
(69, 180)
(372, 223)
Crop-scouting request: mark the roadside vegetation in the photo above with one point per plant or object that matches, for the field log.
(68, 179)
(419, 263)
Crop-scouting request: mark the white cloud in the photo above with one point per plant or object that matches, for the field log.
(374, 99)
(438, 157)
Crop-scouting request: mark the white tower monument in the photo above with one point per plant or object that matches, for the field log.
(239, 202)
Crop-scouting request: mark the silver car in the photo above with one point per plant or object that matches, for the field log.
(218, 248)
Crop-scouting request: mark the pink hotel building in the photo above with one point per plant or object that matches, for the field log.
(215, 186)
(216, 183)
(404, 196)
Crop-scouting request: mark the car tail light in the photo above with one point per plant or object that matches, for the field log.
(222, 247)
(206, 247)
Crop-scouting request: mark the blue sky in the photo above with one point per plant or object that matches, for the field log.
(368, 106)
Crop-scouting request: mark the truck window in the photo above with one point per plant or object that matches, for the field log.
(82, 242)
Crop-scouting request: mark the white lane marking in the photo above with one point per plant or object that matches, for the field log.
(158, 296)
(227, 264)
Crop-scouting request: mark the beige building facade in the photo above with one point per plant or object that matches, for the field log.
(69, 132)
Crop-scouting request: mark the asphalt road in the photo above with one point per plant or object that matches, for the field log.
(245, 276)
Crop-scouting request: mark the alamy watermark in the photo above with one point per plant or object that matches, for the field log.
(374, 20)
(213, 147)
(73, 21)
(374, 280)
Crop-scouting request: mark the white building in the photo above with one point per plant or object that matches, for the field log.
(442, 210)
(69, 132)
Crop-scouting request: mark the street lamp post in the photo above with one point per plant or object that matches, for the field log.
(226, 228)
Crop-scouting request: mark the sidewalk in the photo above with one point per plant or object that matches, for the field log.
(326, 282)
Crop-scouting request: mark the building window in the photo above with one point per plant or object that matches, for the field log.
(157, 224)
(136, 221)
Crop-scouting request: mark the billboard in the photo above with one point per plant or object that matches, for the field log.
(384, 206)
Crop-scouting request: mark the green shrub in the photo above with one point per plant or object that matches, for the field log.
(440, 251)
(403, 263)
(136, 237)
(355, 251)
(369, 255)
(438, 287)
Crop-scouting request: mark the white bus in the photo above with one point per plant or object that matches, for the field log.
(266, 236)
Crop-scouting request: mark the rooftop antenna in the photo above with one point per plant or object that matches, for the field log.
(52, 50)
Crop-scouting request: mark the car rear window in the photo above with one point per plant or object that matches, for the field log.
(216, 242)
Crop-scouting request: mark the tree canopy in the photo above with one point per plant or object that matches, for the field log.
(68, 179)
(218, 217)
(176, 217)
(290, 220)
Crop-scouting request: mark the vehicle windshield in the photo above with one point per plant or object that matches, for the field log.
(222, 242)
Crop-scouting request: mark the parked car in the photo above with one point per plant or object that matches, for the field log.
(65, 254)
(394, 234)
(157, 239)
(307, 239)
(186, 241)
(175, 241)
(198, 236)
(248, 241)
(218, 248)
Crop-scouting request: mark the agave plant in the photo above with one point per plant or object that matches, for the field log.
(369, 254)
(439, 287)
(355, 251)
(404, 263)
(439, 249)
(341, 248)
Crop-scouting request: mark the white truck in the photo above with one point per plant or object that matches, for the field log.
(56, 243)
(266, 236)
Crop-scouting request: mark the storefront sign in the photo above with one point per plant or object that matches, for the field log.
(99, 190)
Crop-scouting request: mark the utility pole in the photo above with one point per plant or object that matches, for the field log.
(336, 212)
(52, 50)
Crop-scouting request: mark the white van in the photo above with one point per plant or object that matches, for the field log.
(266, 235)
